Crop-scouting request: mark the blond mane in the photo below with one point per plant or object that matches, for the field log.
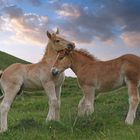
(46, 51)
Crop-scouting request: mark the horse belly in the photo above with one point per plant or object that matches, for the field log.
(119, 83)
(111, 84)
(30, 85)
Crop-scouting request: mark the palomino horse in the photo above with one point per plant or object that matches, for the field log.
(37, 76)
(95, 75)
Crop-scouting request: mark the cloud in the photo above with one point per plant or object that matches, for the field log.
(131, 39)
(106, 22)
(27, 26)
(4, 24)
(1, 23)
(35, 3)
(3, 3)
(84, 24)
(68, 10)
(13, 12)
(125, 13)
(53, 1)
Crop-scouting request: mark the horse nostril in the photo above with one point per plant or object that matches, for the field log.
(55, 72)
(70, 46)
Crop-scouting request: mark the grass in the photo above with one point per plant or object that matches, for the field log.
(6, 60)
(28, 113)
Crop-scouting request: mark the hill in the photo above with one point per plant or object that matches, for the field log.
(6, 60)
(26, 118)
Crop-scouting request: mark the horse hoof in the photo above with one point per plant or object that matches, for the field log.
(52, 119)
(129, 122)
(2, 130)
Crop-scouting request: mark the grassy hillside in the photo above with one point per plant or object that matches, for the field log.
(6, 60)
(28, 113)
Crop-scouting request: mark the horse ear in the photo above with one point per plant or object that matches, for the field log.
(57, 31)
(49, 34)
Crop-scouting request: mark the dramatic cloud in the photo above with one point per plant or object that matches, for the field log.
(85, 25)
(125, 13)
(53, 1)
(3, 2)
(35, 3)
(13, 12)
(132, 39)
(1, 23)
(68, 10)
(108, 21)
(29, 27)
(82, 22)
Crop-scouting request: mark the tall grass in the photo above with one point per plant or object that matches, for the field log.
(28, 113)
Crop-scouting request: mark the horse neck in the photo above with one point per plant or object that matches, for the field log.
(50, 54)
(78, 61)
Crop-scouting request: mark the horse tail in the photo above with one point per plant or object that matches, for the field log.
(1, 97)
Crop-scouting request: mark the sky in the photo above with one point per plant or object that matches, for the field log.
(105, 28)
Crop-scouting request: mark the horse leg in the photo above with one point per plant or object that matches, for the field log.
(85, 106)
(9, 95)
(58, 86)
(81, 105)
(133, 102)
(58, 95)
(53, 113)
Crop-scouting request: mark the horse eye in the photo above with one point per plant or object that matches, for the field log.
(57, 41)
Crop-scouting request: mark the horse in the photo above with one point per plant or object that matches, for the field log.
(96, 76)
(31, 77)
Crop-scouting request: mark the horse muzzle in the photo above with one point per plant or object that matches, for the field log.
(55, 71)
(71, 46)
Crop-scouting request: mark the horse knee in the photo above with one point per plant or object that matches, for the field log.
(54, 103)
(134, 101)
(4, 108)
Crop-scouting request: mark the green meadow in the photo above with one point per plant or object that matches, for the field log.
(27, 116)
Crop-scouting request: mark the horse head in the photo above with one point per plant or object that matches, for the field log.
(59, 43)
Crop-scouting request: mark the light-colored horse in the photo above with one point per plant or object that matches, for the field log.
(18, 77)
(99, 76)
